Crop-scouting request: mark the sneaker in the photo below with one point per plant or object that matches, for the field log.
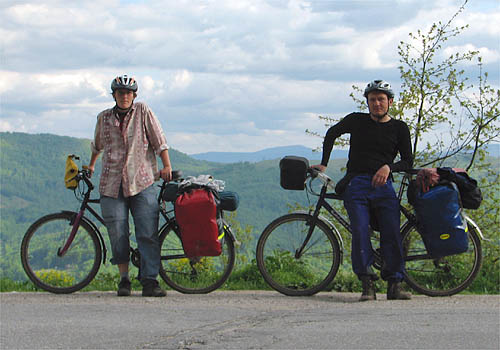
(124, 288)
(368, 289)
(394, 292)
(151, 288)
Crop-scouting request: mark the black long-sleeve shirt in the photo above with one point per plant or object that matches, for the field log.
(372, 144)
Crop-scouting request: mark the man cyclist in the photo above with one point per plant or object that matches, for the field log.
(375, 140)
(130, 136)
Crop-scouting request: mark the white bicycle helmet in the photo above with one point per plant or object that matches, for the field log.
(379, 85)
(124, 82)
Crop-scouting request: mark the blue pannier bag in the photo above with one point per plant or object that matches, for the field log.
(440, 220)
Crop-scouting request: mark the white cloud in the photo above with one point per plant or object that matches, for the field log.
(488, 55)
(225, 74)
(5, 126)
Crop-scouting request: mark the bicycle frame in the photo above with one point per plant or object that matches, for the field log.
(80, 216)
(322, 203)
(76, 220)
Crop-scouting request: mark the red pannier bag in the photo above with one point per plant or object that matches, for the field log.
(196, 215)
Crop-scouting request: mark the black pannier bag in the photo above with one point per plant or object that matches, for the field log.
(470, 193)
(229, 200)
(293, 172)
(171, 192)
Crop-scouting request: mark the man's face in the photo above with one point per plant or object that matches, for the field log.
(378, 103)
(124, 98)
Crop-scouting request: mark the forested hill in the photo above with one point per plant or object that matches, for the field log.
(32, 183)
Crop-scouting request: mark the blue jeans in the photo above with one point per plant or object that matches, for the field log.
(359, 198)
(145, 211)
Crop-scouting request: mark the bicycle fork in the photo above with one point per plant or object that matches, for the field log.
(75, 222)
(311, 223)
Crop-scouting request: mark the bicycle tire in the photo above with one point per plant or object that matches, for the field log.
(444, 276)
(53, 273)
(276, 257)
(198, 275)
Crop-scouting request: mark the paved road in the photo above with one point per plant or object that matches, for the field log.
(246, 320)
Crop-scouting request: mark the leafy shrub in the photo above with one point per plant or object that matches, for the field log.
(55, 277)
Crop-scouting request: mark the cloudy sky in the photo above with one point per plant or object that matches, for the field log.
(221, 75)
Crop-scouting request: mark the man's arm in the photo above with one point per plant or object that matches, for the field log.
(405, 163)
(332, 134)
(405, 152)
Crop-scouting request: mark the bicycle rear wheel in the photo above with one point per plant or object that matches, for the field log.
(442, 276)
(293, 275)
(60, 274)
(198, 275)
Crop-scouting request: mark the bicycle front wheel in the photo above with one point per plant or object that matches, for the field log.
(443, 276)
(197, 275)
(288, 272)
(60, 274)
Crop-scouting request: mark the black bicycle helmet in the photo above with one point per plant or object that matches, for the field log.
(379, 85)
(124, 82)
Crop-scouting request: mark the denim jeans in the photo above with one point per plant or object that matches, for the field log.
(360, 196)
(145, 212)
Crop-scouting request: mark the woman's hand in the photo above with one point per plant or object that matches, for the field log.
(166, 173)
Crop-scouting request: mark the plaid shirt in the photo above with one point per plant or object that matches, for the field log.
(128, 150)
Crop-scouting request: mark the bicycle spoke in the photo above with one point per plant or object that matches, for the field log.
(194, 275)
(289, 273)
(60, 273)
(442, 276)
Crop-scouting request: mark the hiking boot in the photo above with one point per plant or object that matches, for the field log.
(368, 289)
(151, 288)
(124, 288)
(394, 292)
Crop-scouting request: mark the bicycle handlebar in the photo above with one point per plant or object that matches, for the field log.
(328, 181)
(85, 175)
(325, 179)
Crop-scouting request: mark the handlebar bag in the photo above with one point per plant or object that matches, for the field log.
(440, 221)
(196, 215)
(70, 173)
(293, 172)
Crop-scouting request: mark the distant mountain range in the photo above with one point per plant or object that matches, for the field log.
(280, 152)
(266, 154)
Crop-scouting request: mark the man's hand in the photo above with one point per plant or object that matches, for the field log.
(426, 178)
(320, 167)
(381, 176)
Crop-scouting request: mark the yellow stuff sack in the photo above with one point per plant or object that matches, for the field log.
(70, 173)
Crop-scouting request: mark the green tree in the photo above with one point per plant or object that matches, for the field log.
(438, 95)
